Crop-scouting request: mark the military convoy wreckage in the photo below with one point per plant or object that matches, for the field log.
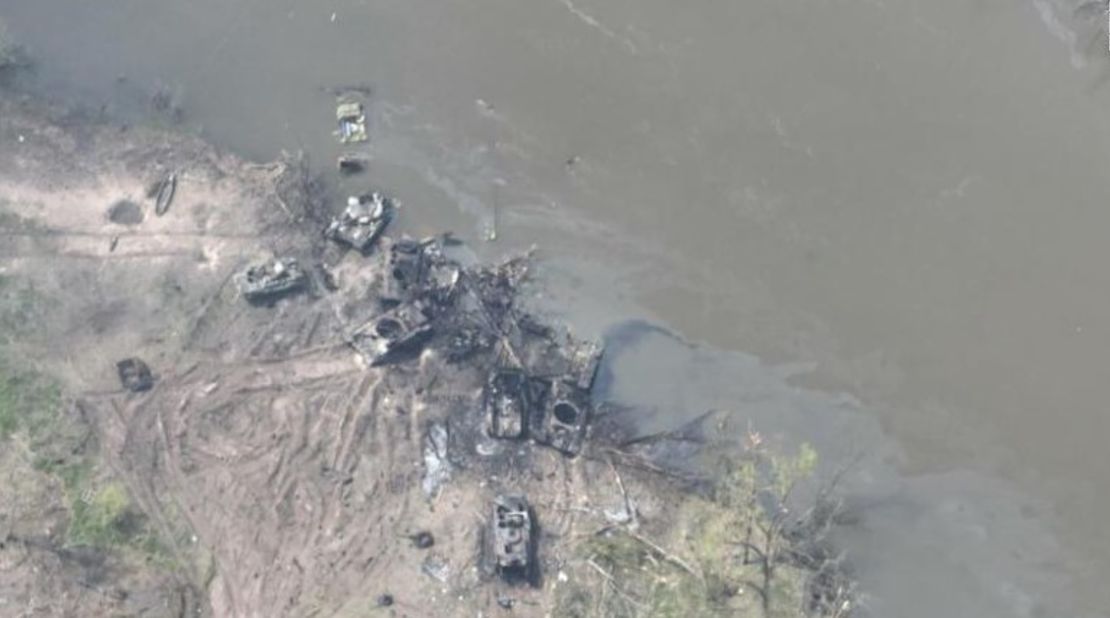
(538, 387)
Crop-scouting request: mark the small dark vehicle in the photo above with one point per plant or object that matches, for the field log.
(134, 375)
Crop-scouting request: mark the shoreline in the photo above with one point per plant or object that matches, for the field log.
(248, 410)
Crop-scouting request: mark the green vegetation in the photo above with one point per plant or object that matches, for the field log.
(734, 552)
(102, 519)
(27, 401)
(60, 443)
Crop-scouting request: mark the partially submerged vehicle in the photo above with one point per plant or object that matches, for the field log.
(351, 164)
(505, 399)
(395, 335)
(271, 279)
(511, 536)
(134, 375)
(352, 121)
(363, 221)
(560, 418)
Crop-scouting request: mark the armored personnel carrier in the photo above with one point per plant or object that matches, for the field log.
(364, 219)
(271, 279)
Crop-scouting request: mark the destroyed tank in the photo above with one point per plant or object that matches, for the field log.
(394, 335)
(271, 279)
(560, 419)
(511, 536)
(363, 221)
(418, 269)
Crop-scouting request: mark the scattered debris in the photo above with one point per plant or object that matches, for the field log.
(422, 539)
(271, 279)
(437, 468)
(385, 600)
(436, 567)
(352, 121)
(135, 375)
(505, 602)
(113, 243)
(166, 190)
(511, 535)
(364, 219)
(465, 341)
(419, 270)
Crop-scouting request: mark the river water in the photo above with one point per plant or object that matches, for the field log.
(876, 225)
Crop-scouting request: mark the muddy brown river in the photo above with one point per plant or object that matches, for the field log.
(879, 226)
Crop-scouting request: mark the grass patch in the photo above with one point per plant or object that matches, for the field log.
(731, 553)
(28, 401)
(102, 519)
(101, 513)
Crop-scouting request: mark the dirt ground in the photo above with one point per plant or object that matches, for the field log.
(282, 474)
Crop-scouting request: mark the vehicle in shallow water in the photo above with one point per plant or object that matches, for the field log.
(363, 221)
(352, 122)
(271, 279)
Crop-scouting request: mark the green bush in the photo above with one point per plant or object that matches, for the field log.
(104, 519)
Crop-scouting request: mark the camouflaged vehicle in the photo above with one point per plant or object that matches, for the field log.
(352, 122)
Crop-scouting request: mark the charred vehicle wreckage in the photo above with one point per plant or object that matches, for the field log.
(271, 279)
(363, 221)
(530, 383)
